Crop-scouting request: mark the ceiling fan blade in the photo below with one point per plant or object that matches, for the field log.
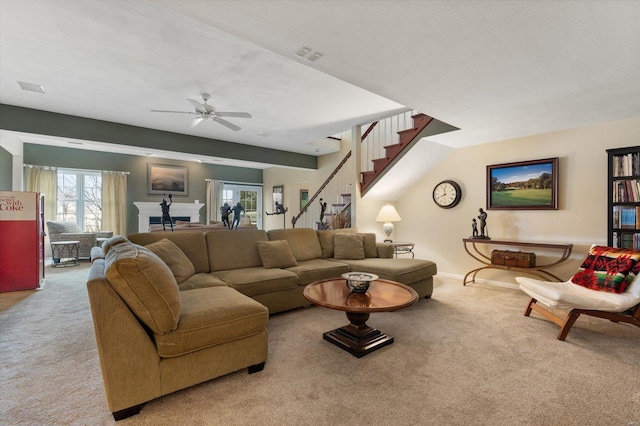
(177, 112)
(226, 123)
(196, 121)
(197, 105)
(233, 114)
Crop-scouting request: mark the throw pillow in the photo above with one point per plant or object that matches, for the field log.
(369, 242)
(608, 269)
(176, 260)
(276, 254)
(146, 285)
(348, 246)
(326, 239)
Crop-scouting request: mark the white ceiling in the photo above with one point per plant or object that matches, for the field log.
(495, 69)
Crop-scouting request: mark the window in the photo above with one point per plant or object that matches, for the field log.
(80, 198)
(250, 196)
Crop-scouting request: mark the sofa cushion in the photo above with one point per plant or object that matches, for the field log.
(276, 254)
(405, 271)
(200, 280)
(369, 244)
(234, 250)
(211, 317)
(146, 285)
(176, 260)
(348, 246)
(312, 270)
(325, 238)
(608, 269)
(259, 280)
(192, 244)
(304, 242)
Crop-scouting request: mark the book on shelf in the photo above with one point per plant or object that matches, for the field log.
(626, 240)
(626, 165)
(628, 218)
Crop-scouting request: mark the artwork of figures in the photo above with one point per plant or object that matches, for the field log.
(482, 223)
(166, 217)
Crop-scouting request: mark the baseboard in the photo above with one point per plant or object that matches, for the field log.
(511, 286)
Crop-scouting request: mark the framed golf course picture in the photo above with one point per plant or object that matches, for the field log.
(524, 185)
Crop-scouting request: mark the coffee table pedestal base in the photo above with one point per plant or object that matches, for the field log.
(358, 338)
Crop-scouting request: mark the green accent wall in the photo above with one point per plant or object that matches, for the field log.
(53, 124)
(6, 167)
(137, 185)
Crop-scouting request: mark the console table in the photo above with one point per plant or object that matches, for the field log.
(471, 247)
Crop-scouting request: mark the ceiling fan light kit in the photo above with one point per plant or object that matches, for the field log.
(205, 111)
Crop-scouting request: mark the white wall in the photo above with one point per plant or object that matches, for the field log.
(581, 218)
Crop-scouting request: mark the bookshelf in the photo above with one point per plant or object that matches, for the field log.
(623, 215)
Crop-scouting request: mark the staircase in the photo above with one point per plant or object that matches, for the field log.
(407, 138)
(374, 151)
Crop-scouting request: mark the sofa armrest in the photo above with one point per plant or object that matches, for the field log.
(97, 253)
(128, 358)
(104, 234)
(385, 250)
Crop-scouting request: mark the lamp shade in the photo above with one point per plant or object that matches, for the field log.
(388, 213)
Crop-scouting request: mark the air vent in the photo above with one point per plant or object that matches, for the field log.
(31, 87)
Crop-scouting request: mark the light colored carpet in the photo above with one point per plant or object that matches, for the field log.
(465, 357)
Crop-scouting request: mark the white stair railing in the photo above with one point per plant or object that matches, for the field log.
(383, 134)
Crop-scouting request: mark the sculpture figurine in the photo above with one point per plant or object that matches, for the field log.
(280, 209)
(166, 217)
(225, 211)
(323, 208)
(482, 217)
(237, 209)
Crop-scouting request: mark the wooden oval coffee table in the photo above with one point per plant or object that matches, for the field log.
(357, 337)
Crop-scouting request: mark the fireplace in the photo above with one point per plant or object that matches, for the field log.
(179, 211)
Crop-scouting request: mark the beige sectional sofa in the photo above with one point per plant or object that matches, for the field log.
(172, 310)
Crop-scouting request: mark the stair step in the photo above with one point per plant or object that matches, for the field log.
(380, 163)
(393, 150)
(367, 177)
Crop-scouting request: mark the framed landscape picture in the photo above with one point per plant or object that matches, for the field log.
(304, 198)
(525, 185)
(167, 179)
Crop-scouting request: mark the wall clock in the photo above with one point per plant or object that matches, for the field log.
(447, 194)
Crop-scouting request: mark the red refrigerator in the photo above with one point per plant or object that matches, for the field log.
(21, 240)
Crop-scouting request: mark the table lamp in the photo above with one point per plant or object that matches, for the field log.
(388, 215)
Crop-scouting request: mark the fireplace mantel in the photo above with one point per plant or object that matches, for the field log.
(147, 210)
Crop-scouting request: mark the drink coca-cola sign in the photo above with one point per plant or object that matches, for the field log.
(17, 205)
(11, 204)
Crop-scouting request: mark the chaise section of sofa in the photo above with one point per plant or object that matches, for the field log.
(154, 339)
(377, 258)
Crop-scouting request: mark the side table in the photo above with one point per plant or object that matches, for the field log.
(402, 248)
(65, 253)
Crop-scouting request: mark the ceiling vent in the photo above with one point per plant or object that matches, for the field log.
(31, 87)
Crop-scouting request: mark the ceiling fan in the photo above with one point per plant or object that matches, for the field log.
(204, 111)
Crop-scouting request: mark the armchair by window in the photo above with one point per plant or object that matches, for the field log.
(69, 231)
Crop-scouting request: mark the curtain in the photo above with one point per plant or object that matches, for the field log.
(214, 199)
(114, 202)
(44, 180)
